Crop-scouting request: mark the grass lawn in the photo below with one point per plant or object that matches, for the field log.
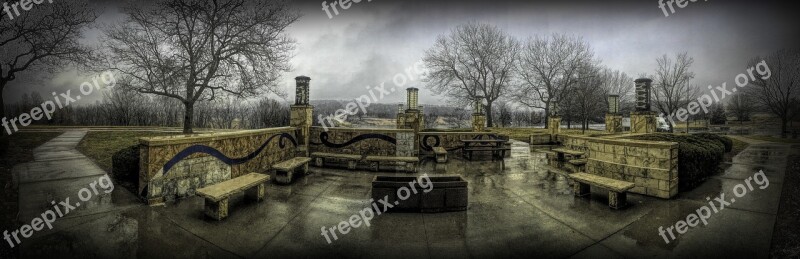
(100, 146)
(773, 139)
(786, 238)
(738, 146)
(15, 149)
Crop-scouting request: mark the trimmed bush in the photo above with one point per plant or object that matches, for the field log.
(698, 156)
(724, 140)
(125, 166)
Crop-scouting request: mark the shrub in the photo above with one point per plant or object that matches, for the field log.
(724, 140)
(125, 166)
(698, 156)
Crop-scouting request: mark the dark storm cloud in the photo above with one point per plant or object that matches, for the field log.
(371, 42)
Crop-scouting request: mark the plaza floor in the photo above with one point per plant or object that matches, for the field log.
(517, 208)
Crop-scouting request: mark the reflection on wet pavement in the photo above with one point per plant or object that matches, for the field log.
(517, 209)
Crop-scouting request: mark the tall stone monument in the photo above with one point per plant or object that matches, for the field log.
(613, 117)
(643, 120)
(301, 113)
(478, 115)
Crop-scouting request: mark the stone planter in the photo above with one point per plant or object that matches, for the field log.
(449, 193)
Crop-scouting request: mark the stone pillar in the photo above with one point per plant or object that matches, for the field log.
(643, 120)
(412, 117)
(401, 120)
(478, 116)
(613, 123)
(553, 126)
(301, 113)
(478, 122)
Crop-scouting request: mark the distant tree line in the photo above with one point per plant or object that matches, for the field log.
(121, 107)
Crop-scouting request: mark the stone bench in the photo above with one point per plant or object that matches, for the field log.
(617, 190)
(576, 165)
(563, 152)
(320, 158)
(441, 154)
(284, 171)
(217, 195)
(410, 163)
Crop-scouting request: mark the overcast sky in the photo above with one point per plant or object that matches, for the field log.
(371, 42)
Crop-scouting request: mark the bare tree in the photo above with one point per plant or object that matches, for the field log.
(619, 83)
(588, 95)
(548, 68)
(742, 105)
(193, 50)
(779, 93)
(503, 112)
(42, 39)
(671, 89)
(473, 60)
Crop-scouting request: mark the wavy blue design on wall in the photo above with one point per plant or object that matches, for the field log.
(423, 142)
(324, 138)
(222, 157)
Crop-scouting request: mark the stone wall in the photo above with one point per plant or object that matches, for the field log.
(451, 141)
(378, 142)
(651, 165)
(175, 166)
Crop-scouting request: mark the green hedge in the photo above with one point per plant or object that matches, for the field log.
(699, 156)
(125, 165)
(724, 140)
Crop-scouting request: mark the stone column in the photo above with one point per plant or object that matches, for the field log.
(478, 116)
(411, 119)
(553, 126)
(478, 122)
(643, 120)
(401, 120)
(301, 114)
(613, 123)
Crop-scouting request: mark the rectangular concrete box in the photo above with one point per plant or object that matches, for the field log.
(449, 193)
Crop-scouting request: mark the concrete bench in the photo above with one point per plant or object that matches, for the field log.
(576, 165)
(217, 195)
(320, 158)
(568, 152)
(441, 154)
(617, 190)
(284, 171)
(410, 163)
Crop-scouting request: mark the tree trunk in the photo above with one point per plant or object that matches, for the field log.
(784, 131)
(188, 118)
(546, 116)
(488, 114)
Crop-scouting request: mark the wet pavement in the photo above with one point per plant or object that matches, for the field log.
(516, 209)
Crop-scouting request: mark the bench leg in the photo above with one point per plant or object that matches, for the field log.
(217, 210)
(305, 169)
(617, 200)
(319, 162)
(351, 165)
(256, 193)
(283, 177)
(580, 189)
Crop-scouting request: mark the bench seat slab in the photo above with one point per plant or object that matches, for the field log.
(223, 190)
